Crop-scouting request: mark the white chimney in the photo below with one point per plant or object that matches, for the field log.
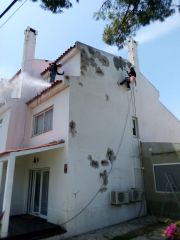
(132, 53)
(29, 48)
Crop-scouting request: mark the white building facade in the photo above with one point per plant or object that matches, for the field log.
(71, 153)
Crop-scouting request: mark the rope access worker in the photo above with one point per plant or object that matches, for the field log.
(130, 79)
(53, 69)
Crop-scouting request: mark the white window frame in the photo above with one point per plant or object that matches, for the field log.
(134, 123)
(43, 128)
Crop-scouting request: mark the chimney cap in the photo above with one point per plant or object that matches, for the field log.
(29, 29)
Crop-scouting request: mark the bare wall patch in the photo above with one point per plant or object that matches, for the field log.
(90, 60)
(93, 163)
(99, 71)
(110, 155)
(104, 177)
(107, 97)
(119, 63)
(72, 128)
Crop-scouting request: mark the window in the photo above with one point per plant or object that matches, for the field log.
(43, 122)
(134, 127)
(167, 177)
(1, 121)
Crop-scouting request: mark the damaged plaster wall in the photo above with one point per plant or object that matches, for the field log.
(99, 106)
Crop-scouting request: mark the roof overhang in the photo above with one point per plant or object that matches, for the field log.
(31, 150)
(64, 57)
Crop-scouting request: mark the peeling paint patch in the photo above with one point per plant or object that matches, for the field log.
(104, 163)
(99, 71)
(67, 78)
(110, 155)
(84, 61)
(107, 97)
(87, 60)
(97, 54)
(80, 84)
(93, 163)
(72, 128)
(104, 177)
(119, 63)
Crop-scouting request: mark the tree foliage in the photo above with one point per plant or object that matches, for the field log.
(55, 6)
(123, 17)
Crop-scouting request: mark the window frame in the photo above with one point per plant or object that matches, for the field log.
(154, 177)
(1, 122)
(134, 122)
(43, 127)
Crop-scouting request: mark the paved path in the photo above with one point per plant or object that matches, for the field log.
(120, 229)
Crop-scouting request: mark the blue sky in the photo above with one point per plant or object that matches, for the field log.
(158, 43)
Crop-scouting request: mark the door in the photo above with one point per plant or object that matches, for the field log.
(38, 192)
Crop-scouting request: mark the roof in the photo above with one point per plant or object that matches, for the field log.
(60, 57)
(55, 83)
(31, 148)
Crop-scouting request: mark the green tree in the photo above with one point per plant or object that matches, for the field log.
(123, 17)
(55, 6)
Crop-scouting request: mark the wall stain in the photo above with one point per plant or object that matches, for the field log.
(80, 84)
(107, 97)
(104, 163)
(99, 71)
(67, 78)
(72, 128)
(110, 155)
(93, 163)
(120, 63)
(87, 61)
(104, 177)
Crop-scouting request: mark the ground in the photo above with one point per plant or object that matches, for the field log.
(144, 228)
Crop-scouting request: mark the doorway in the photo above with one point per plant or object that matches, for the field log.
(38, 192)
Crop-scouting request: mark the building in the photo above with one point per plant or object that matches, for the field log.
(70, 149)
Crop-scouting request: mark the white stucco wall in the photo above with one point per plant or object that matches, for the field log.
(60, 103)
(71, 66)
(5, 117)
(16, 129)
(156, 122)
(99, 125)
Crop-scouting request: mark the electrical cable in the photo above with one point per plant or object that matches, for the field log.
(8, 8)
(99, 190)
(12, 14)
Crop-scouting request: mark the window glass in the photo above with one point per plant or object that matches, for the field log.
(48, 120)
(134, 127)
(38, 124)
(167, 177)
(43, 122)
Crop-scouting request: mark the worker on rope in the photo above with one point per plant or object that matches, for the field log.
(53, 71)
(130, 79)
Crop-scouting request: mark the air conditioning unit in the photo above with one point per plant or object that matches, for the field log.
(136, 195)
(119, 198)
